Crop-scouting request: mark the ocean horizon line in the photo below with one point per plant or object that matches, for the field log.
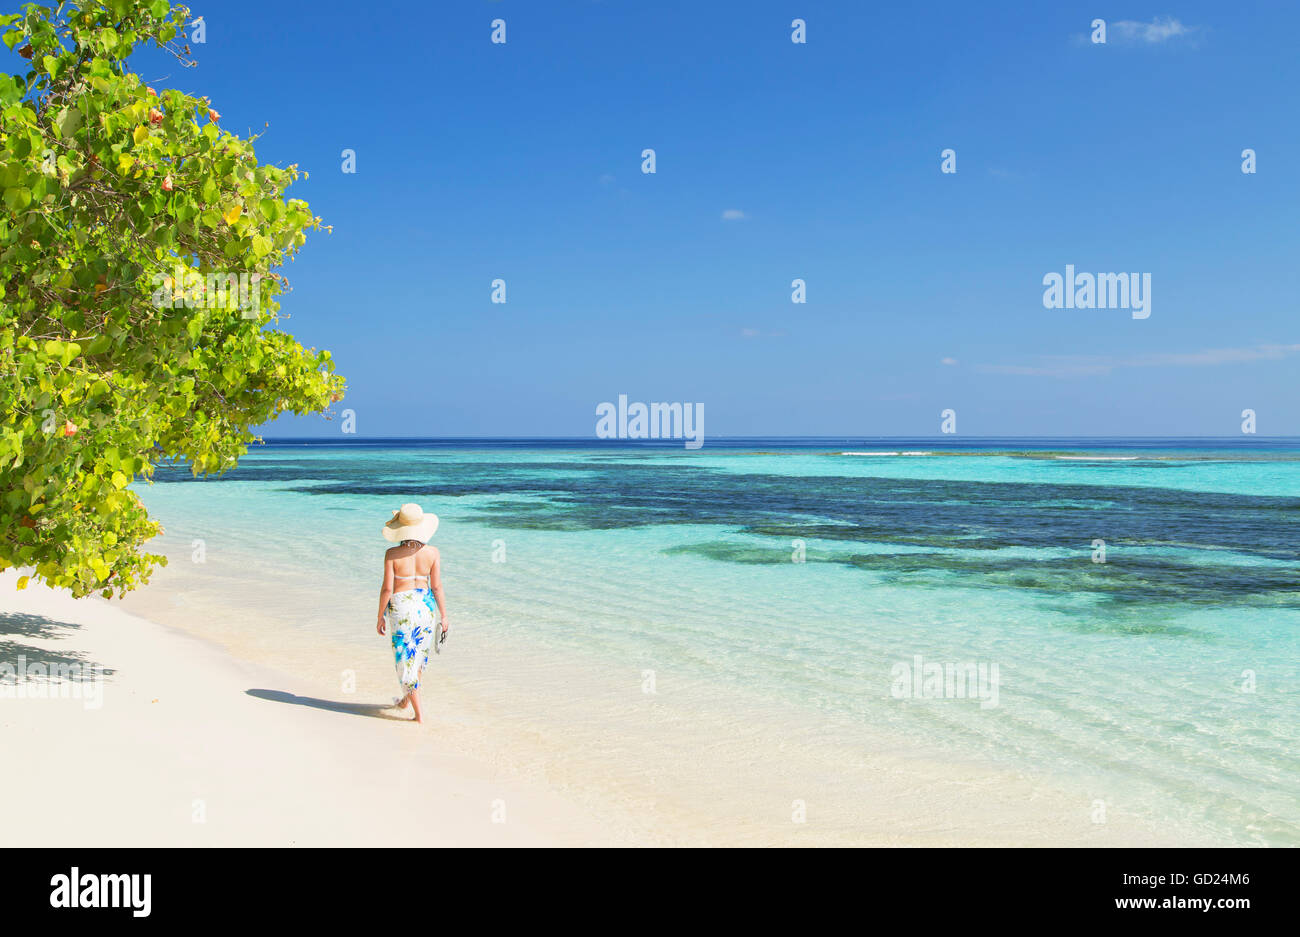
(937, 441)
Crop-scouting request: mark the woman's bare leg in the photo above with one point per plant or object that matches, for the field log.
(414, 697)
(401, 703)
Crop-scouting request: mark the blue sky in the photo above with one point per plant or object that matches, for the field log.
(523, 161)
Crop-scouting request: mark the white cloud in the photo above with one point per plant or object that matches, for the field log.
(1087, 365)
(949, 361)
(1160, 29)
(733, 214)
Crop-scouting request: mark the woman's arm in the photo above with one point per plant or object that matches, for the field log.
(435, 580)
(385, 592)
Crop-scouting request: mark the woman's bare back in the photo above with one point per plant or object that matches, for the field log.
(412, 563)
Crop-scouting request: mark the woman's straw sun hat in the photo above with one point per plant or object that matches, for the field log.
(411, 523)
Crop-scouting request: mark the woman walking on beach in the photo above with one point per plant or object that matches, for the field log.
(412, 584)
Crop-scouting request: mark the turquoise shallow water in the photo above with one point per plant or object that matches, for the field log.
(1165, 678)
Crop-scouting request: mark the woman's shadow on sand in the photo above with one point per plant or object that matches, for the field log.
(374, 710)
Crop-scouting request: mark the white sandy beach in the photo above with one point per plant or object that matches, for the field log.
(194, 746)
(187, 733)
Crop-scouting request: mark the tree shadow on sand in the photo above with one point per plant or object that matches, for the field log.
(23, 625)
(73, 664)
(373, 710)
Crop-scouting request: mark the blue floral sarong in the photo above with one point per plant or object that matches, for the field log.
(412, 626)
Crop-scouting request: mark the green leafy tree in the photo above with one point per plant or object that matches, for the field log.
(139, 248)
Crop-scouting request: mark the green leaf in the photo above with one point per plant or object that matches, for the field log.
(18, 198)
(11, 89)
(68, 121)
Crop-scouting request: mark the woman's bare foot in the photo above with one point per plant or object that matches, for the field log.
(402, 703)
(415, 704)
